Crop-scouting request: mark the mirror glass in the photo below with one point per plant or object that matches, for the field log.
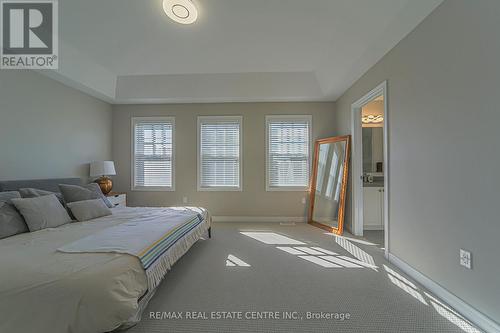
(373, 149)
(329, 183)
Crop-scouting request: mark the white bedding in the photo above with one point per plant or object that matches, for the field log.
(158, 239)
(43, 290)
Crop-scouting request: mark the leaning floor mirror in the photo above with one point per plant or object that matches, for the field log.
(329, 183)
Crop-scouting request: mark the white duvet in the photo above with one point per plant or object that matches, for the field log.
(43, 290)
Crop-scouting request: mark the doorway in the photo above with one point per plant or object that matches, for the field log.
(370, 190)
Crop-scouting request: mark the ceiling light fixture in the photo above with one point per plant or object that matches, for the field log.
(181, 11)
(372, 119)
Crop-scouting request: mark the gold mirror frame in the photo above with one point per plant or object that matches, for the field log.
(345, 177)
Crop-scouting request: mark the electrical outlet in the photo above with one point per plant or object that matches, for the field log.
(185, 200)
(465, 259)
(303, 200)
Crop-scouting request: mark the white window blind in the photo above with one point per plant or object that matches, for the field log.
(288, 146)
(219, 153)
(153, 142)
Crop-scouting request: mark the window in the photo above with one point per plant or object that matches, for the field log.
(288, 146)
(153, 153)
(219, 153)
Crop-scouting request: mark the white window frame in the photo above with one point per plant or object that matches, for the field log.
(291, 118)
(202, 119)
(134, 121)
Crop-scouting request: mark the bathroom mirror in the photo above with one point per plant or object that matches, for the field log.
(373, 149)
(329, 183)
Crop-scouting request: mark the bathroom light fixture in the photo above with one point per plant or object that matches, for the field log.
(181, 11)
(372, 119)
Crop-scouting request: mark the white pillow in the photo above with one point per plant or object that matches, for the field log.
(88, 209)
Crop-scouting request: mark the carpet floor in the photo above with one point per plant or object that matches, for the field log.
(374, 236)
(267, 277)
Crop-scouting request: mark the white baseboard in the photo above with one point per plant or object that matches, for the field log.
(276, 219)
(476, 317)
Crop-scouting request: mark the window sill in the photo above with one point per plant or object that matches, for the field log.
(287, 189)
(220, 189)
(153, 189)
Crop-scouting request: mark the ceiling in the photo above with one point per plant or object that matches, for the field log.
(129, 51)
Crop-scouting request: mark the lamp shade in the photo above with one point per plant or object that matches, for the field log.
(102, 168)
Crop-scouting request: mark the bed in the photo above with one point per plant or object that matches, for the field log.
(45, 290)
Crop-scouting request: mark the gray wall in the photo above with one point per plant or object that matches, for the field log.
(253, 200)
(49, 130)
(444, 81)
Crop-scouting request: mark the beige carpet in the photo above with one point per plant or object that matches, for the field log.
(374, 236)
(336, 276)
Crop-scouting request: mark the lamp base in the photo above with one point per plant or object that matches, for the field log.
(105, 183)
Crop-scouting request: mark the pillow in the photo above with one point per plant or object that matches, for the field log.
(6, 196)
(42, 212)
(34, 192)
(11, 222)
(89, 209)
(72, 193)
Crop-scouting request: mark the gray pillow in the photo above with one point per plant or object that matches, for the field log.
(73, 193)
(34, 192)
(42, 212)
(11, 222)
(89, 209)
(6, 196)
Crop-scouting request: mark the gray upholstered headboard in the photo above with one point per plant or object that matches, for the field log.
(42, 184)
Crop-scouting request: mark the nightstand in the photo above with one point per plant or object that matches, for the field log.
(117, 199)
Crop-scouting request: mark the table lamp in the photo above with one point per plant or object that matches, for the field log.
(103, 169)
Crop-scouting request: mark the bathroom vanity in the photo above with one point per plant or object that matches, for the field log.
(373, 206)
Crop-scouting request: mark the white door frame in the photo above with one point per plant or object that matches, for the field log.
(357, 163)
